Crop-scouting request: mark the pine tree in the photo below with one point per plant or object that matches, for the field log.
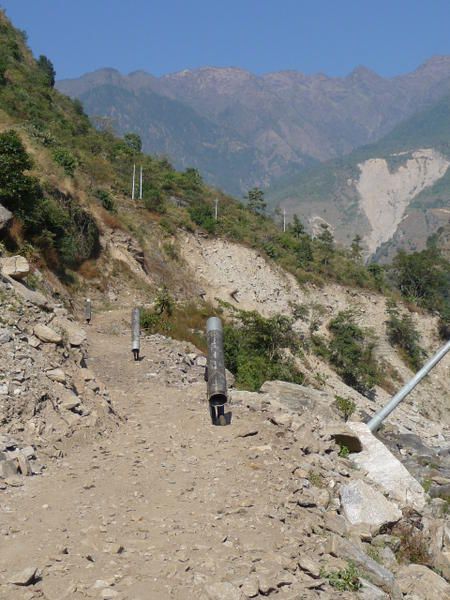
(255, 201)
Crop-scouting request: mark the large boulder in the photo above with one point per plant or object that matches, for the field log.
(363, 505)
(16, 267)
(385, 470)
(47, 334)
(298, 399)
(418, 581)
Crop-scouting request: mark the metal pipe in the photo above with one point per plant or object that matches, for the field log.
(135, 332)
(88, 310)
(379, 417)
(216, 378)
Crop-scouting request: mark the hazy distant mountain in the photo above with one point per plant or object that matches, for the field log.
(394, 193)
(241, 130)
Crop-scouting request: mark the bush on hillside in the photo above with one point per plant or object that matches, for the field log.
(402, 333)
(66, 160)
(351, 351)
(255, 349)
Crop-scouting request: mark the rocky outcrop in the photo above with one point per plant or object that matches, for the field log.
(16, 267)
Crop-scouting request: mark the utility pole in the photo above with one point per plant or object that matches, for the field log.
(134, 181)
(284, 220)
(216, 208)
(140, 184)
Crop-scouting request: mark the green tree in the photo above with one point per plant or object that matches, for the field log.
(133, 141)
(402, 333)
(296, 227)
(326, 243)
(255, 201)
(356, 248)
(48, 70)
(17, 190)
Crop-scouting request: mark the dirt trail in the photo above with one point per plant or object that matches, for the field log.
(163, 507)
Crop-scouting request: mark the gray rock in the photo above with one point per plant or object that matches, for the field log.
(16, 267)
(8, 468)
(250, 587)
(421, 582)
(56, 375)
(25, 577)
(310, 566)
(5, 335)
(76, 335)
(5, 217)
(223, 591)
(46, 334)
(297, 399)
(368, 591)
(362, 504)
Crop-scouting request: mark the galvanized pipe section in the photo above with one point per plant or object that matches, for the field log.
(216, 382)
(135, 331)
(88, 310)
(379, 417)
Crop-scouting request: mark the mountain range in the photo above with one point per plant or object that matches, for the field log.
(240, 129)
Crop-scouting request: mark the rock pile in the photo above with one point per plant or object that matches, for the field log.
(46, 396)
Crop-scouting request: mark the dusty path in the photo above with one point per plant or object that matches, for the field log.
(165, 506)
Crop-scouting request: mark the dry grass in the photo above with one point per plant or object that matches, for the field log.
(89, 270)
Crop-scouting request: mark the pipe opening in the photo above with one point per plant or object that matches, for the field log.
(218, 399)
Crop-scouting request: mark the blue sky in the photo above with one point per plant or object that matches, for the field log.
(162, 36)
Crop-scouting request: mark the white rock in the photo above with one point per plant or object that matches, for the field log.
(25, 577)
(16, 267)
(223, 591)
(56, 375)
(46, 334)
(385, 470)
(363, 505)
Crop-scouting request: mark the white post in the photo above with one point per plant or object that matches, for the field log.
(284, 220)
(216, 208)
(140, 184)
(134, 181)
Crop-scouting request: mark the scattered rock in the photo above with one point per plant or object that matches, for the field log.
(56, 375)
(363, 504)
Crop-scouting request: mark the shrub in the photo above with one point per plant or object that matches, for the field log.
(202, 215)
(345, 579)
(66, 160)
(106, 200)
(351, 351)
(345, 406)
(402, 333)
(255, 349)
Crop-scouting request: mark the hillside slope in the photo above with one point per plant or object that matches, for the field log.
(394, 193)
(263, 127)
